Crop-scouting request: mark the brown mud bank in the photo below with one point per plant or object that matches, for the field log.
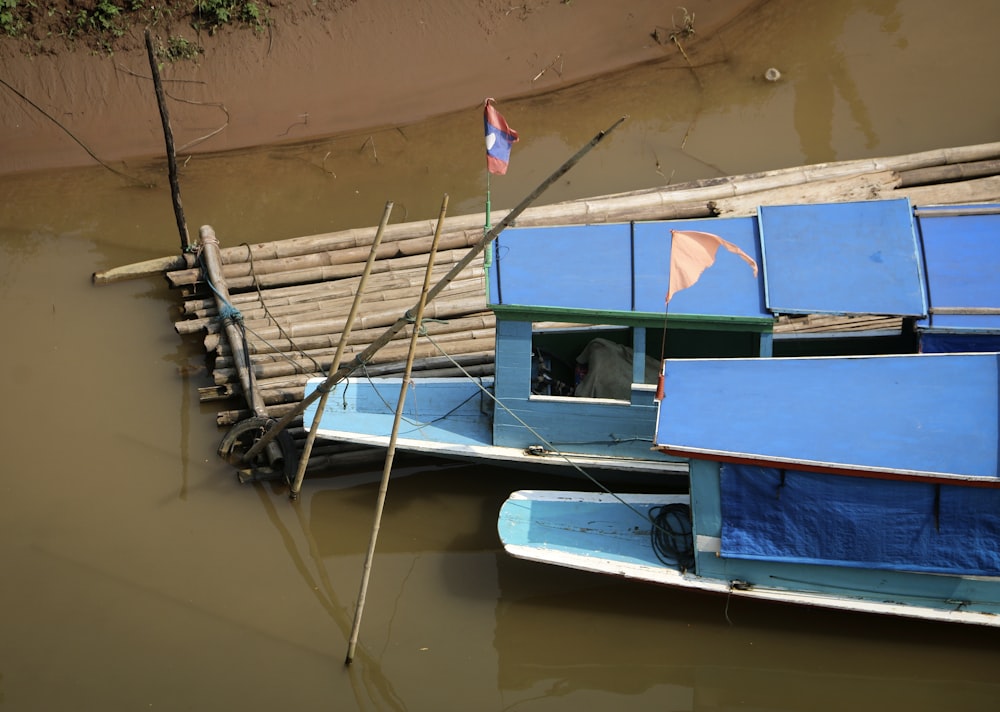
(325, 68)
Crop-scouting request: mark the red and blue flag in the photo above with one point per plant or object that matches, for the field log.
(499, 138)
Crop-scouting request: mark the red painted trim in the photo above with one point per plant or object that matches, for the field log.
(831, 470)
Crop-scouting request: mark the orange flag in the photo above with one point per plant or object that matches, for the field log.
(691, 253)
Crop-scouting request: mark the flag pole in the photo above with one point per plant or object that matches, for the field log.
(660, 380)
(488, 254)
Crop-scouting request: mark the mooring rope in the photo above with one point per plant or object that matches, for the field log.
(671, 538)
(229, 313)
(281, 329)
(416, 423)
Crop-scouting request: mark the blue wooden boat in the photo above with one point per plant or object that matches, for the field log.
(581, 327)
(860, 483)
(865, 483)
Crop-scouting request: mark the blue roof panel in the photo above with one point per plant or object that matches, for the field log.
(963, 269)
(575, 267)
(842, 258)
(727, 288)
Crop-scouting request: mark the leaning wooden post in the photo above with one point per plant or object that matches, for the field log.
(345, 332)
(457, 269)
(168, 137)
(390, 453)
(231, 317)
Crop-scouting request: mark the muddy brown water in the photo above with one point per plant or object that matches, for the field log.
(136, 573)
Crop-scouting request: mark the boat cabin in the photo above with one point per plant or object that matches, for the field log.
(582, 322)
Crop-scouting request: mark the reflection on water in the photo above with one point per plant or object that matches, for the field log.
(138, 574)
(820, 85)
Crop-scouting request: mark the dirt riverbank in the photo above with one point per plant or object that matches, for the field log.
(324, 68)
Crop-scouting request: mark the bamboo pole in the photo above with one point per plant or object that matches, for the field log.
(458, 329)
(210, 254)
(480, 342)
(168, 137)
(138, 270)
(326, 257)
(390, 453)
(284, 390)
(867, 186)
(384, 315)
(661, 202)
(459, 306)
(324, 345)
(307, 449)
(265, 316)
(455, 306)
(726, 186)
(979, 190)
(329, 272)
(475, 251)
(391, 282)
(949, 172)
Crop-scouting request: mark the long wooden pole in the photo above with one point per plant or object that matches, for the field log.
(213, 273)
(390, 453)
(168, 137)
(488, 238)
(344, 334)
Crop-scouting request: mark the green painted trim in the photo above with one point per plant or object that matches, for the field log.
(634, 319)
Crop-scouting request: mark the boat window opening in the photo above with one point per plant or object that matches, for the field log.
(702, 343)
(556, 350)
(599, 361)
(846, 343)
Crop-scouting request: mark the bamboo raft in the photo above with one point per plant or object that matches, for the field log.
(293, 295)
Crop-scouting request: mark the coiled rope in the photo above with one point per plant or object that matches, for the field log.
(671, 535)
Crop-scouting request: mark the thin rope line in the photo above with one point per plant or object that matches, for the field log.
(73, 136)
(281, 329)
(531, 430)
(416, 423)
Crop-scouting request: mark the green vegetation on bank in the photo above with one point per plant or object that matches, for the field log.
(104, 25)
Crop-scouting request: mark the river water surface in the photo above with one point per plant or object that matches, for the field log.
(136, 573)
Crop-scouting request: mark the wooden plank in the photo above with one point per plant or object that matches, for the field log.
(981, 190)
(868, 186)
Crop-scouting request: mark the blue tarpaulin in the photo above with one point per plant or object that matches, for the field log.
(786, 515)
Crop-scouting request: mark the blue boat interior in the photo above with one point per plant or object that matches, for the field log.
(454, 411)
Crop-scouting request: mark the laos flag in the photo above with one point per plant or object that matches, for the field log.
(499, 138)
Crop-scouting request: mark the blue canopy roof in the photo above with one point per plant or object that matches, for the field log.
(623, 267)
(919, 415)
(868, 257)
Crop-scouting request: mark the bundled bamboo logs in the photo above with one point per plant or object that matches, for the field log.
(290, 333)
(292, 295)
